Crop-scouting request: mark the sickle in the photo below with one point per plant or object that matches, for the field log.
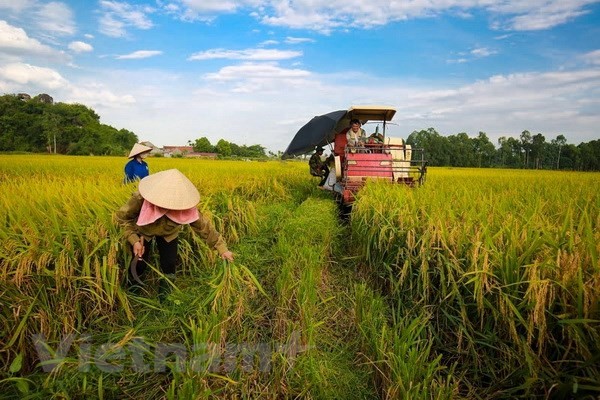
(133, 265)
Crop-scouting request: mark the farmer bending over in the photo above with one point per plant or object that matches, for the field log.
(164, 202)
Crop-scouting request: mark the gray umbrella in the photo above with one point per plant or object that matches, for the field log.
(319, 131)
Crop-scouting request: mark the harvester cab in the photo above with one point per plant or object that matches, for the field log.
(377, 156)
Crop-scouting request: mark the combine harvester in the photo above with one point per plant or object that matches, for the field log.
(378, 157)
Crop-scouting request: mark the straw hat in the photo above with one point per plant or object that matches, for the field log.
(169, 189)
(138, 149)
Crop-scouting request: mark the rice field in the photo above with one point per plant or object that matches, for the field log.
(482, 284)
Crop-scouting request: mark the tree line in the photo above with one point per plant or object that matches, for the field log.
(530, 151)
(37, 124)
(228, 149)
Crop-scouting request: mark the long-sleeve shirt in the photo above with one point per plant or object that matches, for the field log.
(135, 169)
(128, 214)
(354, 138)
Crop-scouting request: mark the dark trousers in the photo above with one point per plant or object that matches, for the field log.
(167, 252)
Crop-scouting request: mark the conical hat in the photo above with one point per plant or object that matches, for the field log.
(169, 189)
(138, 149)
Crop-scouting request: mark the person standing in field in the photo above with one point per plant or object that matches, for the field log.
(317, 166)
(137, 168)
(157, 211)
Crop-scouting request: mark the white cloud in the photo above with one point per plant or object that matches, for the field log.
(483, 52)
(268, 43)
(210, 6)
(111, 26)
(535, 21)
(56, 18)
(592, 57)
(15, 41)
(98, 95)
(476, 53)
(200, 10)
(318, 19)
(296, 40)
(139, 54)
(80, 47)
(324, 16)
(253, 71)
(16, 6)
(539, 14)
(253, 77)
(20, 76)
(550, 103)
(248, 54)
(118, 16)
(457, 61)
(327, 15)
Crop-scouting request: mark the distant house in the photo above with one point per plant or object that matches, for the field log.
(185, 151)
(155, 150)
(172, 151)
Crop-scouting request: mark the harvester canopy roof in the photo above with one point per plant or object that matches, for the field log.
(371, 113)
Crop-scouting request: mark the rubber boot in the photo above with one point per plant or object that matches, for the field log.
(164, 287)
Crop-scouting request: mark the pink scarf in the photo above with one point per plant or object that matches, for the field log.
(150, 213)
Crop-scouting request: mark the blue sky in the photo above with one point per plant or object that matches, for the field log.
(254, 71)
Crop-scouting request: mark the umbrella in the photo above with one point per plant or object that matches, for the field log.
(317, 132)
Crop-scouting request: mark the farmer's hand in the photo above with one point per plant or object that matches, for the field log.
(138, 249)
(228, 255)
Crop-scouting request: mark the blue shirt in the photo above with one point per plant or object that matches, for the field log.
(135, 170)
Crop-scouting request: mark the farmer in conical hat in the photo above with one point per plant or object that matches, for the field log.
(164, 202)
(137, 168)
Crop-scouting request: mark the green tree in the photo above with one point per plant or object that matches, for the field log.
(526, 145)
(484, 150)
(51, 122)
(558, 143)
(257, 151)
(38, 126)
(537, 146)
(461, 150)
(203, 145)
(434, 145)
(236, 150)
(590, 156)
(223, 147)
